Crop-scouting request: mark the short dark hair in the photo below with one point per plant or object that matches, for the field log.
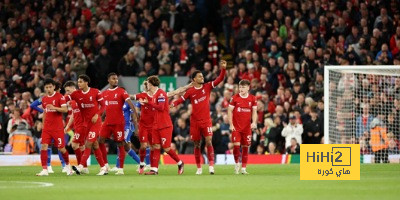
(244, 82)
(58, 85)
(111, 74)
(49, 82)
(84, 77)
(154, 80)
(70, 84)
(194, 74)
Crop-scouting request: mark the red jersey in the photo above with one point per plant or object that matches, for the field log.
(78, 119)
(53, 120)
(242, 111)
(114, 100)
(200, 99)
(89, 102)
(160, 103)
(147, 112)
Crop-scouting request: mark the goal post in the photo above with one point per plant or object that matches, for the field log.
(362, 105)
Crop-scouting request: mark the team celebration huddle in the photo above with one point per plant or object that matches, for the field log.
(153, 126)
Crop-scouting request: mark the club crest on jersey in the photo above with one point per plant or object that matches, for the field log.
(249, 103)
(90, 98)
(106, 103)
(115, 96)
(203, 91)
(54, 102)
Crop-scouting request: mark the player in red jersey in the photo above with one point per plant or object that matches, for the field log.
(91, 105)
(146, 121)
(76, 121)
(54, 105)
(200, 120)
(162, 125)
(114, 124)
(242, 115)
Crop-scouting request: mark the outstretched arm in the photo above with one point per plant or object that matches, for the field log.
(179, 90)
(134, 114)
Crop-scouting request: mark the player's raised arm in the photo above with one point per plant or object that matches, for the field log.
(220, 78)
(179, 90)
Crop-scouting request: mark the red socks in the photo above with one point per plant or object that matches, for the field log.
(43, 158)
(142, 155)
(197, 155)
(210, 155)
(66, 157)
(245, 153)
(173, 155)
(99, 157)
(78, 154)
(103, 150)
(236, 153)
(155, 158)
(122, 156)
(85, 156)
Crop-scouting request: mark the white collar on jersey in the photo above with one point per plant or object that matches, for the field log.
(112, 89)
(52, 94)
(86, 91)
(244, 96)
(199, 87)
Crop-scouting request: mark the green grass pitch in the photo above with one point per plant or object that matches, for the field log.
(265, 182)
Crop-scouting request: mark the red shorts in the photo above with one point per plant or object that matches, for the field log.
(145, 134)
(79, 135)
(58, 136)
(93, 130)
(163, 137)
(117, 130)
(200, 128)
(243, 137)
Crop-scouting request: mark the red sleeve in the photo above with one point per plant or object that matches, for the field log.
(182, 98)
(63, 102)
(160, 101)
(254, 102)
(125, 95)
(140, 96)
(219, 79)
(100, 99)
(232, 102)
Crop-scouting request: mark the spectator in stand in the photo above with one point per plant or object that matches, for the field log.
(292, 130)
(294, 147)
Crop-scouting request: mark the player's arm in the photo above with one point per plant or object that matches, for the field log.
(101, 109)
(35, 105)
(254, 117)
(181, 99)
(179, 90)
(220, 78)
(62, 109)
(133, 114)
(230, 117)
(70, 121)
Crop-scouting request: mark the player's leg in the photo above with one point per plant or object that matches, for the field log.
(196, 138)
(46, 139)
(77, 142)
(155, 158)
(166, 137)
(118, 135)
(60, 144)
(49, 153)
(143, 133)
(127, 145)
(207, 133)
(236, 138)
(105, 133)
(245, 141)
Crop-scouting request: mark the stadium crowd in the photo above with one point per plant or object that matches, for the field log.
(281, 46)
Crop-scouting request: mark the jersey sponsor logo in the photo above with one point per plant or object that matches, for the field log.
(111, 103)
(196, 101)
(243, 109)
(87, 105)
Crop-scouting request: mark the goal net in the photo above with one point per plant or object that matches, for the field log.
(362, 106)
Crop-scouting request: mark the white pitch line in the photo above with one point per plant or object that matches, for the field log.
(33, 184)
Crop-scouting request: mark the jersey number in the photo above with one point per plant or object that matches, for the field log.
(209, 129)
(163, 140)
(92, 135)
(249, 138)
(59, 141)
(119, 133)
(77, 136)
